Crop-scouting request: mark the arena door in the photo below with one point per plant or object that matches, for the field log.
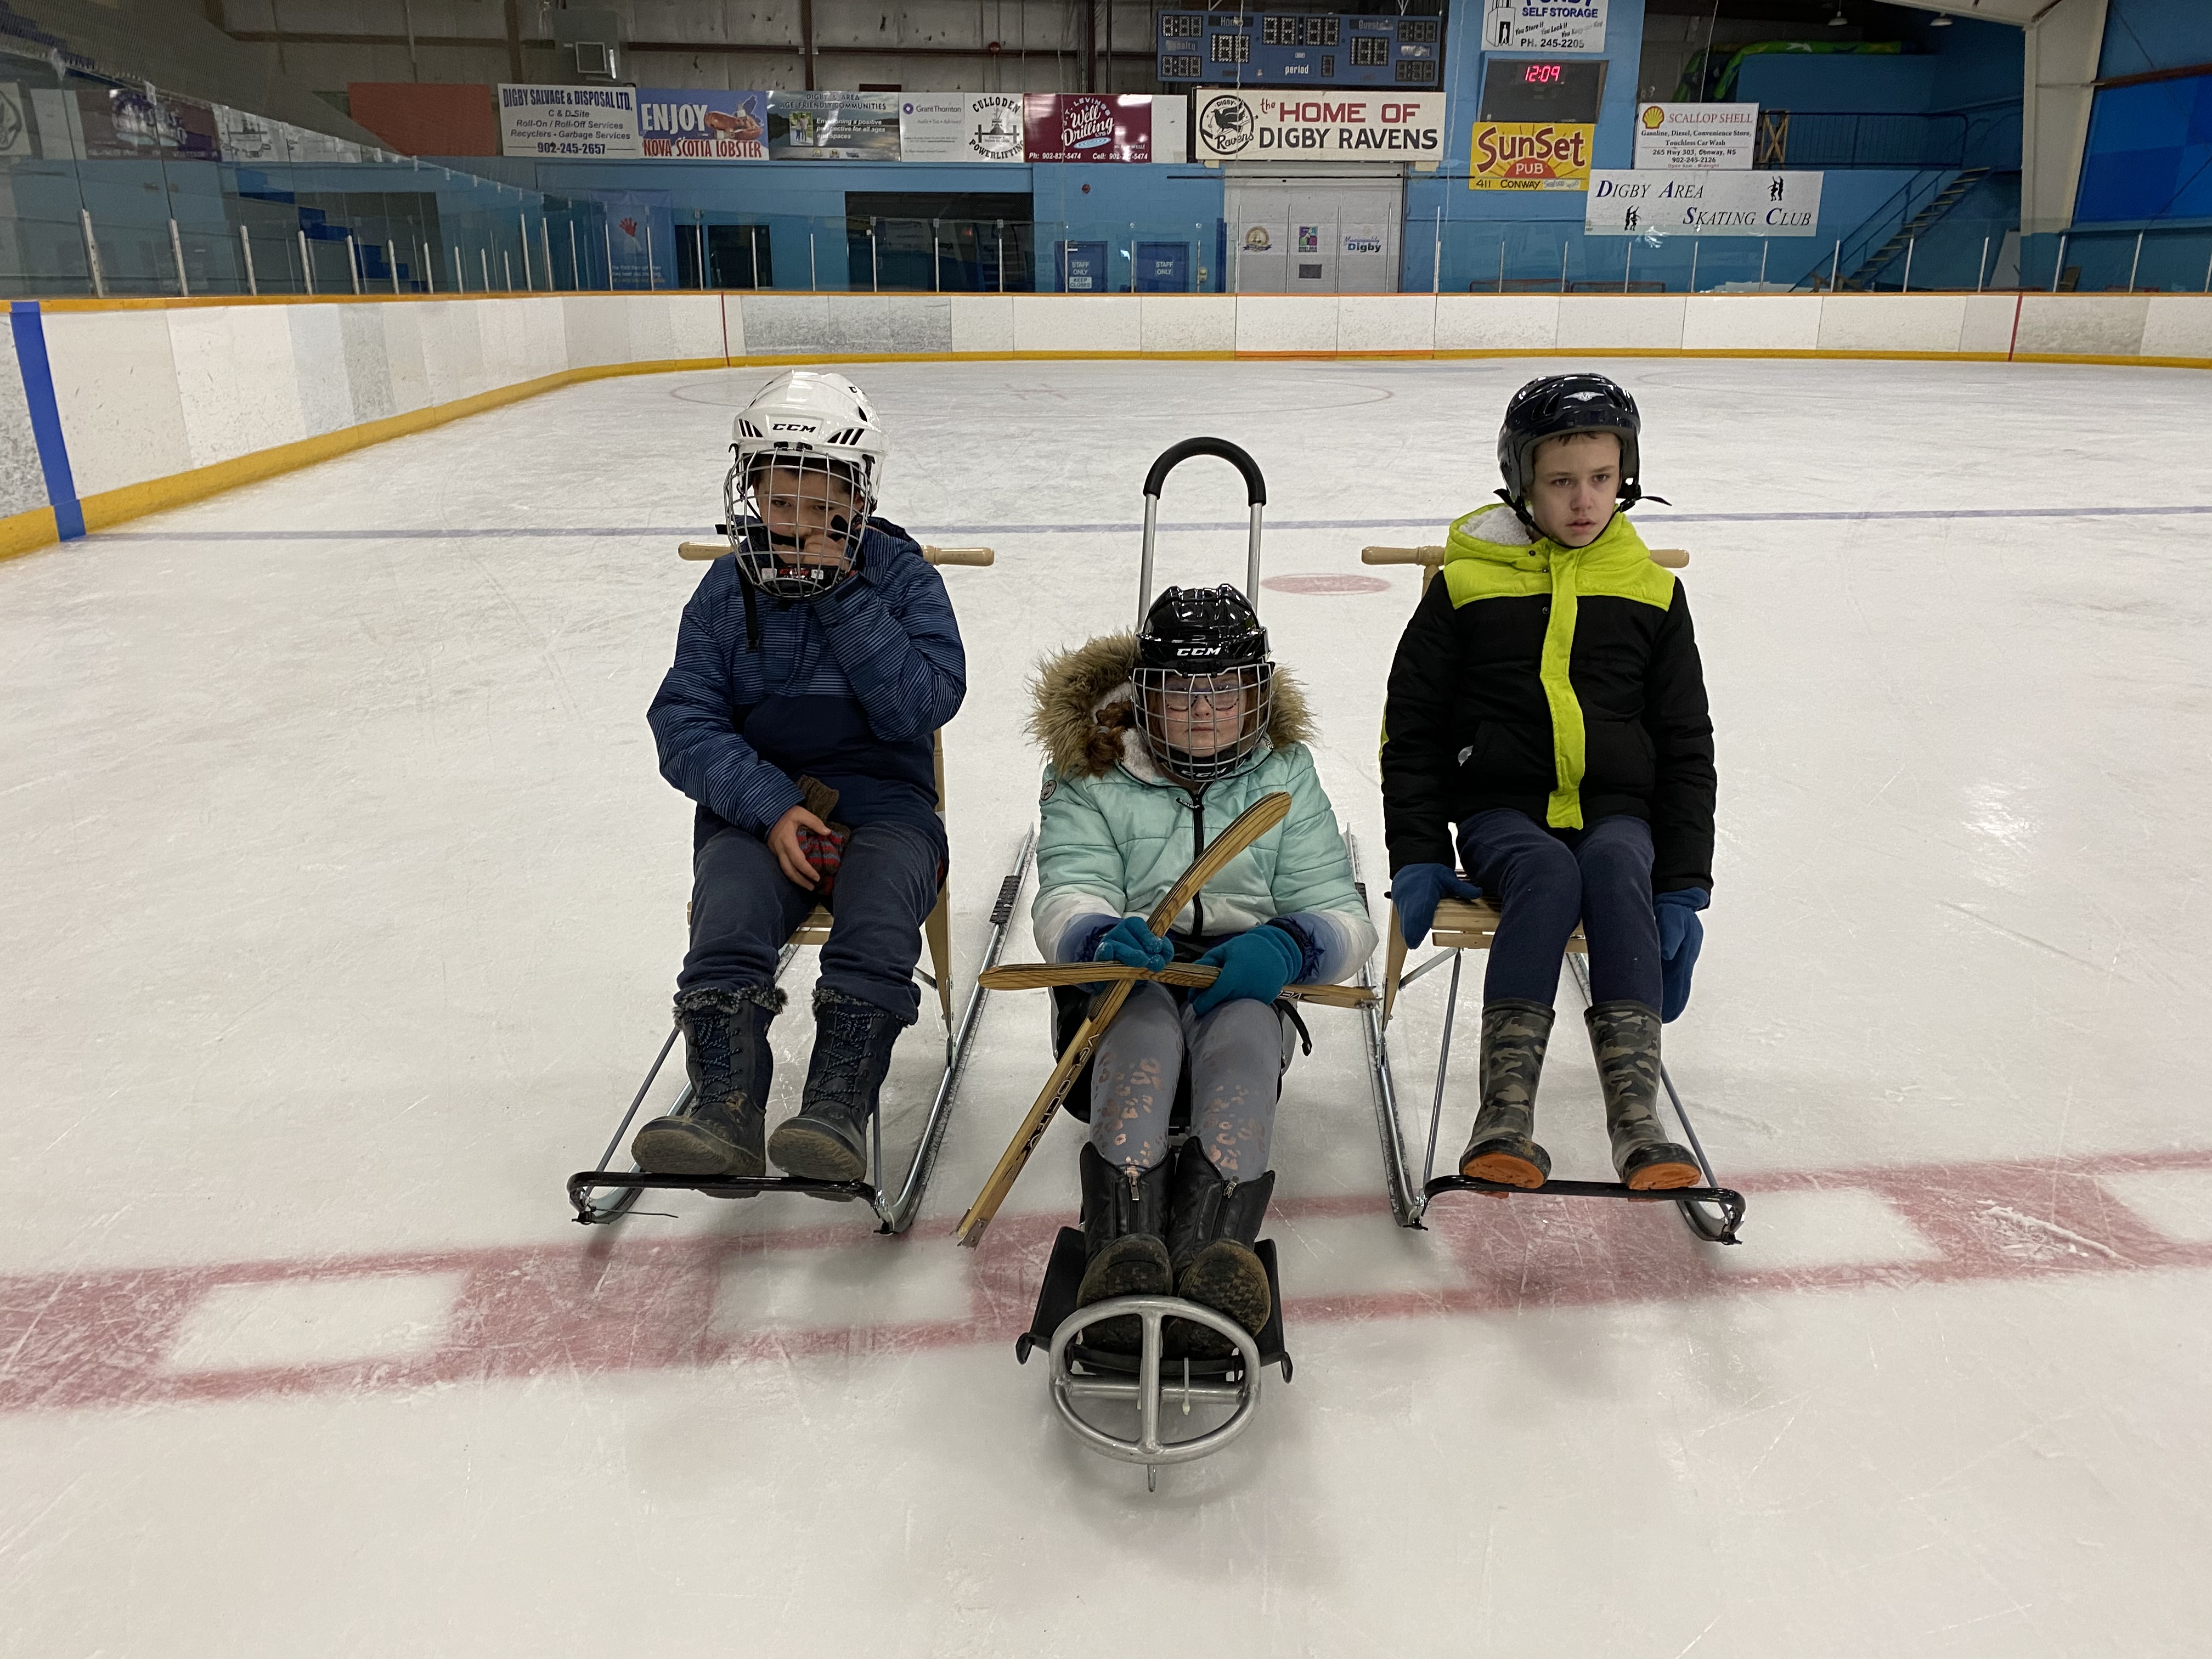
(1316, 231)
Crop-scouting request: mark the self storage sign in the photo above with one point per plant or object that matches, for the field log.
(1335, 126)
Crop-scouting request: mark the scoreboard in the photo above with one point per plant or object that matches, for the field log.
(1316, 49)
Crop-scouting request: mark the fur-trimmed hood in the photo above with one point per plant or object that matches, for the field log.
(1082, 709)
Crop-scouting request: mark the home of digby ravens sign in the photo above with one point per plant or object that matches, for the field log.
(1319, 125)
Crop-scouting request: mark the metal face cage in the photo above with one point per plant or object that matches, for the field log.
(795, 520)
(1203, 726)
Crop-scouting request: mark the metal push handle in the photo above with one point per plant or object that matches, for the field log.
(1255, 487)
(1256, 495)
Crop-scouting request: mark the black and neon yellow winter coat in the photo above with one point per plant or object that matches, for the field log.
(1563, 683)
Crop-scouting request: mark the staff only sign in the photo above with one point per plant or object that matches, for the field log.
(1331, 126)
(1622, 203)
(1530, 155)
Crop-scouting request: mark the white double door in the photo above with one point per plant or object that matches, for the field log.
(1315, 232)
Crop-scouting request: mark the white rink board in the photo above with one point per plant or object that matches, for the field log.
(347, 901)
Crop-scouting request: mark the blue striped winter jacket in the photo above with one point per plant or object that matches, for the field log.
(846, 688)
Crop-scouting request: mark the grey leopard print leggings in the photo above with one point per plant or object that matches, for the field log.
(1237, 1054)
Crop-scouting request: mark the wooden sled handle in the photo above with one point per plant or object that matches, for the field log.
(1674, 558)
(1037, 976)
(703, 551)
(1263, 815)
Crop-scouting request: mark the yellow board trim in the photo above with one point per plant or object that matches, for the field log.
(113, 506)
(27, 533)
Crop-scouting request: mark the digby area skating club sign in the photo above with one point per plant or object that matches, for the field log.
(1396, 127)
(1714, 204)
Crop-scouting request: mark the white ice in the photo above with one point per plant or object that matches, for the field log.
(342, 902)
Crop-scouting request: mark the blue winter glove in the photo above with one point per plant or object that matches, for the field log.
(1129, 942)
(1257, 964)
(1418, 889)
(1682, 936)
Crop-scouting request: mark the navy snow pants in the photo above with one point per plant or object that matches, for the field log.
(743, 907)
(1546, 880)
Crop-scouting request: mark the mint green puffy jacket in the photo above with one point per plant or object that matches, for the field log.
(1116, 835)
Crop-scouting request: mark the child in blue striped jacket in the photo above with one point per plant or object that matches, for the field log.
(812, 669)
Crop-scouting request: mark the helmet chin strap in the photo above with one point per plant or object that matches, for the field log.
(1628, 498)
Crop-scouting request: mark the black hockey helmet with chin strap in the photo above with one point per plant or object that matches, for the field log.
(1553, 407)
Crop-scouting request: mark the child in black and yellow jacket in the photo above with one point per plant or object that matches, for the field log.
(1547, 699)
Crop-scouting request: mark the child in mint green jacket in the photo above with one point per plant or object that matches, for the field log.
(1158, 741)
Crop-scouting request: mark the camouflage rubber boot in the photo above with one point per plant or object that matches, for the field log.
(1624, 1038)
(727, 1053)
(1124, 1217)
(1503, 1148)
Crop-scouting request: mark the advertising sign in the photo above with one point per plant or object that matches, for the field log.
(1629, 203)
(686, 123)
(961, 127)
(1695, 137)
(1335, 126)
(833, 127)
(1530, 155)
(557, 121)
(1081, 127)
(568, 121)
(118, 123)
(1543, 25)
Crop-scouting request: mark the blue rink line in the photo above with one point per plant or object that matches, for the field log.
(609, 532)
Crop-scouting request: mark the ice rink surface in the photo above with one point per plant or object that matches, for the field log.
(344, 902)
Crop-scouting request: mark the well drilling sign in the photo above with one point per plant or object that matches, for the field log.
(1332, 126)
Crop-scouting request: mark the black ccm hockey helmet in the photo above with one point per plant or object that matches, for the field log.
(1203, 648)
(1559, 404)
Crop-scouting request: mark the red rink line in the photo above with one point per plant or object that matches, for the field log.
(628, 1301)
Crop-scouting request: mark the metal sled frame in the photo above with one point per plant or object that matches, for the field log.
(1158, 1387)
(894, 1214)
(1713, 1213)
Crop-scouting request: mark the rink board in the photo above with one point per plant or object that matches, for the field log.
(159, 402)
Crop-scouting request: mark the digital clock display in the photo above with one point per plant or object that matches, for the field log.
(1542, 89)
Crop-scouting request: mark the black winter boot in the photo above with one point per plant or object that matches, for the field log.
(1503, 1147)
(1212, 1224)
(1124, 1213)
(1624, 1038)
(829, 1138)
(726, 1054)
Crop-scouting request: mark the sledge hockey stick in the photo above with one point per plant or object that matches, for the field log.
(1253, 823)
(1037, 976)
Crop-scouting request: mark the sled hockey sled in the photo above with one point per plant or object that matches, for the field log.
(1713, 1212)
(1084, 1381)
(1159, 1388)
(894, 1210)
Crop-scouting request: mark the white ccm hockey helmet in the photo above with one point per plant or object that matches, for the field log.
(808, 470)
